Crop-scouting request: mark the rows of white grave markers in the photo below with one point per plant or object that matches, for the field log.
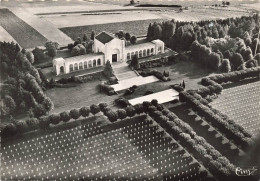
(67, 155)
(241, 104)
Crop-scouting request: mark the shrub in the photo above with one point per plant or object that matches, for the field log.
(64, 116)
(32, 123)
(154, 102)
(122, 102)
(112, 115)
(130, 111)
(44, 122)
(139, 108)
(9, 130)
(55, 119)
(21, 126)
(121, 114)
(94, 109)
(84, 111)
(74, 113)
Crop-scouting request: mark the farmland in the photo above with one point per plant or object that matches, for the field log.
(241, 103)
(133, 27)
(24, 34)
(120, 153)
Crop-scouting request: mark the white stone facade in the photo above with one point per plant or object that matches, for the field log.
(107, 47)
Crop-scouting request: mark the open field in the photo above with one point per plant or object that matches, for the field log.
(83, 19)
(121, 153)
(241, 103)
(25, 35)
(5, 36)
(133, 27)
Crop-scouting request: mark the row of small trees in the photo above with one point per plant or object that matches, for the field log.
(43, 122)
(22, 89)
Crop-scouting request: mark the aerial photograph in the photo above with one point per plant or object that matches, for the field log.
(130, 90)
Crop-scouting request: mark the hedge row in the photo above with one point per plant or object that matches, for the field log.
(20, 127)
(107, 89)
(220, 121)
(218, 164)
(233, 76)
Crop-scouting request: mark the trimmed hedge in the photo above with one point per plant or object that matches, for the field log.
(218, 164)
(232, 76)
(220, 121)
(107, 89)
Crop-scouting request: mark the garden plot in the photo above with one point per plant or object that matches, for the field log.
(126, 83)
(241, 104)
(162, 97)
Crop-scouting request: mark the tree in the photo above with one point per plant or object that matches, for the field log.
(133, 40)
(10, 103)
(21, 126)
(85, 37)
(52, 52)
(94, 109)
(74, 113)
(75, 51)
(51, 48)
(55, 119)
(127, 36)
(92, 35)
(39, 110)
(44, 122)
(139, 108)
(102, 106)
(30, 56)
(48, 104)
(121, 113)
(134, 62)
(108, 70)
(70, 46)
(157, 31)
(9, 130)
(236, 60)
(33, 123)
(154, 102)
(130, 111)
(82, 49)
(183, 84)
(84, 111)
(65, 117)
(112, 116)
(225, 66)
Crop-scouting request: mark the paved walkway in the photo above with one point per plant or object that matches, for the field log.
(47, 29)
(125, 84)
(162, 97)
(123, 72)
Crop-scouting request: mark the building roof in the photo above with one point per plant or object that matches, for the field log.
(84, 57)
(139, 46)
(105, 37)
(157, 41)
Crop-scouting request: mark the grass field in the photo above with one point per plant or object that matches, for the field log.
(241, 103)
(121, 153)
(25, 35)
(188, 71)
(133, 27)
(76, 97)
